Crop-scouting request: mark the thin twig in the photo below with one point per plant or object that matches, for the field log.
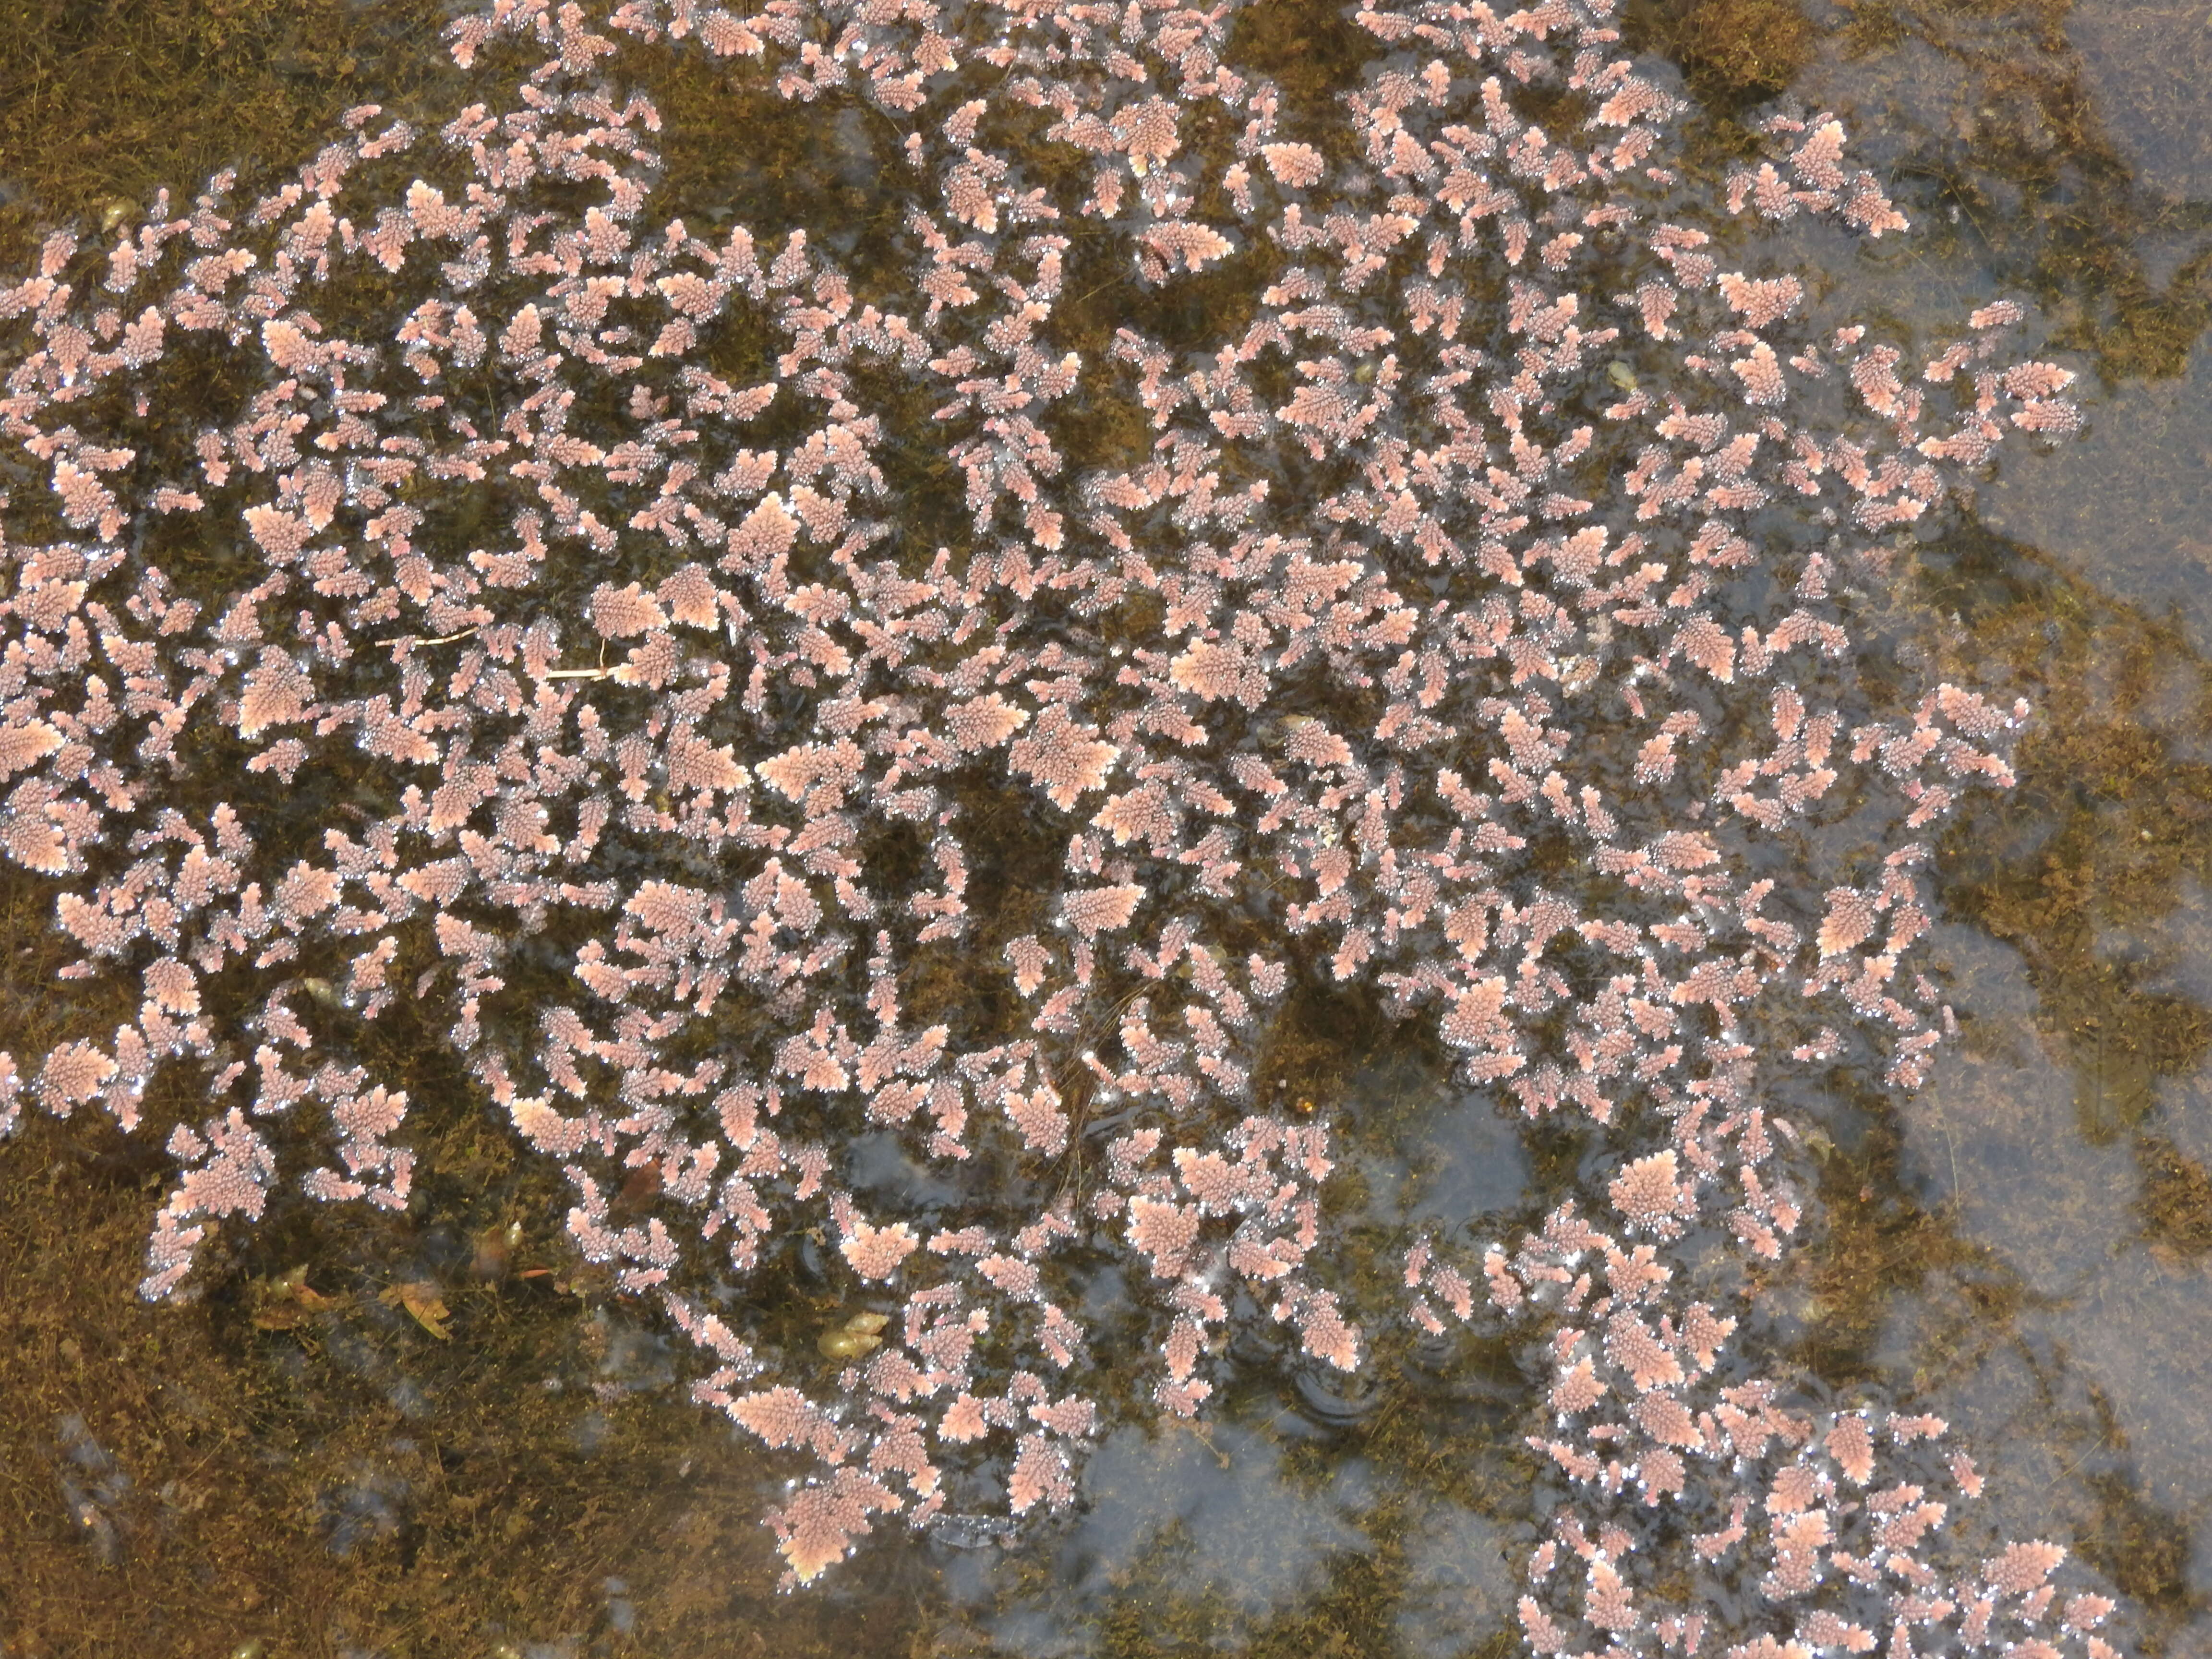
(409, 641)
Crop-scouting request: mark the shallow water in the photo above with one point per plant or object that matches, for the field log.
(504, 1462)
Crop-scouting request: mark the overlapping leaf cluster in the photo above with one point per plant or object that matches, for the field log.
(1473, 617)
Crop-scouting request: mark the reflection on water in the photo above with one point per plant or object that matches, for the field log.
(504, 1462)
(1197, 1530)
(1312, 1513)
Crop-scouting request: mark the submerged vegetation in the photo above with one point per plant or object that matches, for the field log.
(386, 1432)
